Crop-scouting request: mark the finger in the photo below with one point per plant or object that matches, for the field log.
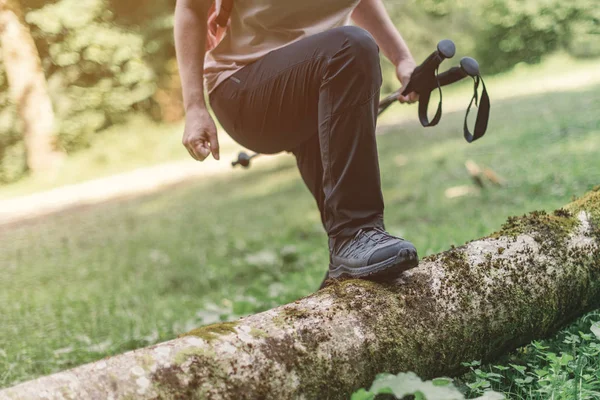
(214, 145)
(405, 81)
(403, 99)
(191, 153)
(201, 150)
(188, 146)
(410, 98)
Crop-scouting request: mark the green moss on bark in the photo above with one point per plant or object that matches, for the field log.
(173, 382)
(258, 333)
(293, 312)
(561, 222)
(213, 331)
(590, 203)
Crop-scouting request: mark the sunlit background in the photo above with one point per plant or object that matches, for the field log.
(112, 238)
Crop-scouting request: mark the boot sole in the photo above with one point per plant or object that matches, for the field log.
(382, 271)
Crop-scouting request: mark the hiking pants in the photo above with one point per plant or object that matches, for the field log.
(316, 98)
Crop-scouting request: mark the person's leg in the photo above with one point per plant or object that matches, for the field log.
(318, 98)
(323, 88)
(308, 159)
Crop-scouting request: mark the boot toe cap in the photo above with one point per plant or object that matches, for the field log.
(401, 250)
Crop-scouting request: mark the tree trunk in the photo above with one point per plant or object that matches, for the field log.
(27, 87)
(476, 301)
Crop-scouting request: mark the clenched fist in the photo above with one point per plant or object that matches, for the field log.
(404, 70)
(200, 134)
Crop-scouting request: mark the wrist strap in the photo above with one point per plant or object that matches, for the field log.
(483, 111)
(483, 105)
(424, 104)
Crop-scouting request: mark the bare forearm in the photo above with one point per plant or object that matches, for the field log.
(190, 38)
(372, 16)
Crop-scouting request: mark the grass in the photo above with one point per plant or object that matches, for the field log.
(564, 367)
(92, 282)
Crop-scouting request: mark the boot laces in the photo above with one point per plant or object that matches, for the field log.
(364, 240)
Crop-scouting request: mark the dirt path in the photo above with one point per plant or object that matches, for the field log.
(137, 182)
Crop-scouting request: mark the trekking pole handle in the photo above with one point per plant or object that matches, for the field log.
(468, 67)
(445, 49)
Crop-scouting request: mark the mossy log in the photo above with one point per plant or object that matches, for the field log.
(477, 301)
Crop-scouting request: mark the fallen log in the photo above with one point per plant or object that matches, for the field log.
(477, 301)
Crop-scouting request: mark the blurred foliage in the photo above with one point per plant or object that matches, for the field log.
(106, 58)
(423, 23)
(498, 33)
(95, 69)
(102, 60)
(12, 149)
(514, 31)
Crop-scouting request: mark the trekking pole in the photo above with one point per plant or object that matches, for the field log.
(423, 81)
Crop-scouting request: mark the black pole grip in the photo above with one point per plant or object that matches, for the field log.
(424, 74)
(454, 74)
(423, 77)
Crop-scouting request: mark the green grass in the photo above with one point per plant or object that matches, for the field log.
(564, 367)
(92, 282)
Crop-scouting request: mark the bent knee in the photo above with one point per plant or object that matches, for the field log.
(360, 41)
(355, 58)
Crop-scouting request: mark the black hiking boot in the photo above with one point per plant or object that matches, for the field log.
(371, 254)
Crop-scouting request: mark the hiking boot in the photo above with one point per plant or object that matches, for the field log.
(373, 254)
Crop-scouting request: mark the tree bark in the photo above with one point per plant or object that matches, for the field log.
(477, 301)
(28, 87)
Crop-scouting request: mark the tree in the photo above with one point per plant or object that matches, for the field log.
(28, 87)
(473, 302)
